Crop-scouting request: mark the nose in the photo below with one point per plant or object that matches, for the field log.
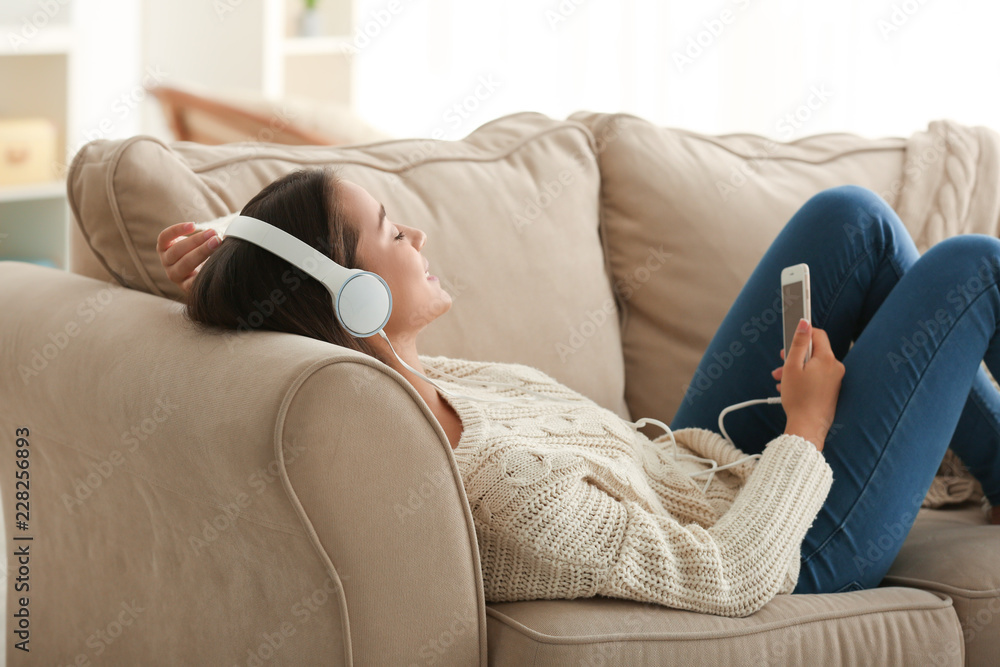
(421, 238)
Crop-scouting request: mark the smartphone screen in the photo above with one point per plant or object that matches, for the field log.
(794, 310)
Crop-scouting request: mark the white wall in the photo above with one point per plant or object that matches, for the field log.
(174, 33)
(110, 72)
(783, 68)
(875, 67)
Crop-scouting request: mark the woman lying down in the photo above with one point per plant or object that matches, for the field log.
(570, 500)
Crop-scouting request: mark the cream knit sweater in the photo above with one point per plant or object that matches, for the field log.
(570, 501)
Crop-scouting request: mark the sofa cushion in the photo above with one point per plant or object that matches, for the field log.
(686, 218)
(884, 626)
(511, 214)
(954, 551)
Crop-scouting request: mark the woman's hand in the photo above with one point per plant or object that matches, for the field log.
(813, 387)
(183, 259)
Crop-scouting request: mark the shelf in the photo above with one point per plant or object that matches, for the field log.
(46, 190)
(318, 45)
(39, 60)
(52, 40)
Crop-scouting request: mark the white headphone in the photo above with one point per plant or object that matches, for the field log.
(361, 299)
(362, 302)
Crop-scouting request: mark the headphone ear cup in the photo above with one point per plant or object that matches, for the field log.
(364, 304)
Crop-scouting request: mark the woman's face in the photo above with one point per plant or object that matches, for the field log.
(392, 250)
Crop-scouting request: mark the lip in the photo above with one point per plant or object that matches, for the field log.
(432, 277)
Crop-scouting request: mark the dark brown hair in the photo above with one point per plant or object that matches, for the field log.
(243, 286)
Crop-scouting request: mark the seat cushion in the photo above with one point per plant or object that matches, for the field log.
(687, 216)
(955, 551)
(884, 626)
(511, 213)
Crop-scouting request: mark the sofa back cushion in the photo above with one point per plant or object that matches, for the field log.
(685, 219)
(511, 214)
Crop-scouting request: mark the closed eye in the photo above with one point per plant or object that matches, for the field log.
(400, 236)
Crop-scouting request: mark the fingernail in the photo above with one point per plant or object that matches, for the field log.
(214, 242)
(803, 325)
(188, 226)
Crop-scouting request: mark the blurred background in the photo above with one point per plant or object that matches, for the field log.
(440, 68)
(355, 71)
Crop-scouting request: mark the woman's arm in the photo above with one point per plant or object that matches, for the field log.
(573, 536)
(813, 387)
(182, 259)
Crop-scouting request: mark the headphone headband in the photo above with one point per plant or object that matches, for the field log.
(361, 299)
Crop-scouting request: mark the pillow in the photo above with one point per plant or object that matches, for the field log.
(335, 120)
(511, 214)
(332, 122)
(687, 216)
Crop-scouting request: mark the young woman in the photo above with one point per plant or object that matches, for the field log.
(909, 387)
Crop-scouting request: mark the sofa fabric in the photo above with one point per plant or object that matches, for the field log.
(950, 551)
(221, 486)
(900, 626)
(523, 262)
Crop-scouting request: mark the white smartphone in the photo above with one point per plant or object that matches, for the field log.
(795, 303)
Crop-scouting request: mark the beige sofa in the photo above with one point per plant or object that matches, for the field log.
(258, 498)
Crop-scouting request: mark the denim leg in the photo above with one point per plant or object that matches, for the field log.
(855, 258)
(907, 380)
(857, 250)
(976, 438)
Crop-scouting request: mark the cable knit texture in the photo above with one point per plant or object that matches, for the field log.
(570, 501)
(949, 188)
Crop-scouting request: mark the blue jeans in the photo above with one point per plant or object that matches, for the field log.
(920, 325)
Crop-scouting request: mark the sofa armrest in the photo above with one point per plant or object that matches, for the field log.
(214, 497)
